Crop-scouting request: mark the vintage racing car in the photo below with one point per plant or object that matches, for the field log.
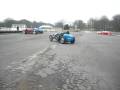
(104, 33)
(28, 31)
(33, 30)
(62, 38)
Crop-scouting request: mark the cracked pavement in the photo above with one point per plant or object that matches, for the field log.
(61, 67)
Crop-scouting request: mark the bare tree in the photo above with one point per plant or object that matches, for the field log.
(116, 23)
(79, 24)
(102, 24)
(59, 24)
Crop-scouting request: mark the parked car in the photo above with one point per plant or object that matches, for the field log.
(62, 38)
(104, 32)
(38, 30)
(28, 31)
(46, 28)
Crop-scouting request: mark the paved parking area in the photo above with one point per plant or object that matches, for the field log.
(32, 62)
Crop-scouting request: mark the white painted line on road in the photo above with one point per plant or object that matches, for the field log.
(87, 31)
(53, 46)
(27, 63)
(36, 54)
(117, 35)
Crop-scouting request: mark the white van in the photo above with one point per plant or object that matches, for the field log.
(46, 28)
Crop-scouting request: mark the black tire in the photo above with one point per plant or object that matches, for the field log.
(73, 41)
(51, 38)
(36, 32)
(26, 33)
(62, 41)
(57, 37)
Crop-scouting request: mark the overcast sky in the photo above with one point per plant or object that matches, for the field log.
(54, 10)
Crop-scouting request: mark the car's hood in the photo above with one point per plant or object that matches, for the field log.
(68, 35)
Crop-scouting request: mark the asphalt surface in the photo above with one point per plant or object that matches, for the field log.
(32, 62)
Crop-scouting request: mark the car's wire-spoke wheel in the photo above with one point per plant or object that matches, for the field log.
(62, 40)
(51, 38)
(57, 37)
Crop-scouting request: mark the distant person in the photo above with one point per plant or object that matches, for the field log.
(17, 28)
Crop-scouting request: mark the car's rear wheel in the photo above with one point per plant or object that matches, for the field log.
(62, 41)
(25, 31)
(73, 41)
(36, 32)
(51, 38)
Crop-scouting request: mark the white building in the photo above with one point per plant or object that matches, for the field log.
(21, 27)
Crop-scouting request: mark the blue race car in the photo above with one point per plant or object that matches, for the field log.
(38, 30)
(62, 38)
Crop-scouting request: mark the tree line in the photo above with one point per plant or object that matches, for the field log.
(8, 23)
(102, 24)
(105, 24)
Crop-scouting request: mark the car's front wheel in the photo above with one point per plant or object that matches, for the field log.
(51, 38)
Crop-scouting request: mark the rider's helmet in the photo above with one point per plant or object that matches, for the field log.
(68, 32)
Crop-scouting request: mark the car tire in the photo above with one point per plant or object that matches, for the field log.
(57, 36)
(36, 32)
(73, 41)
(62, 41)
(51, 38)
